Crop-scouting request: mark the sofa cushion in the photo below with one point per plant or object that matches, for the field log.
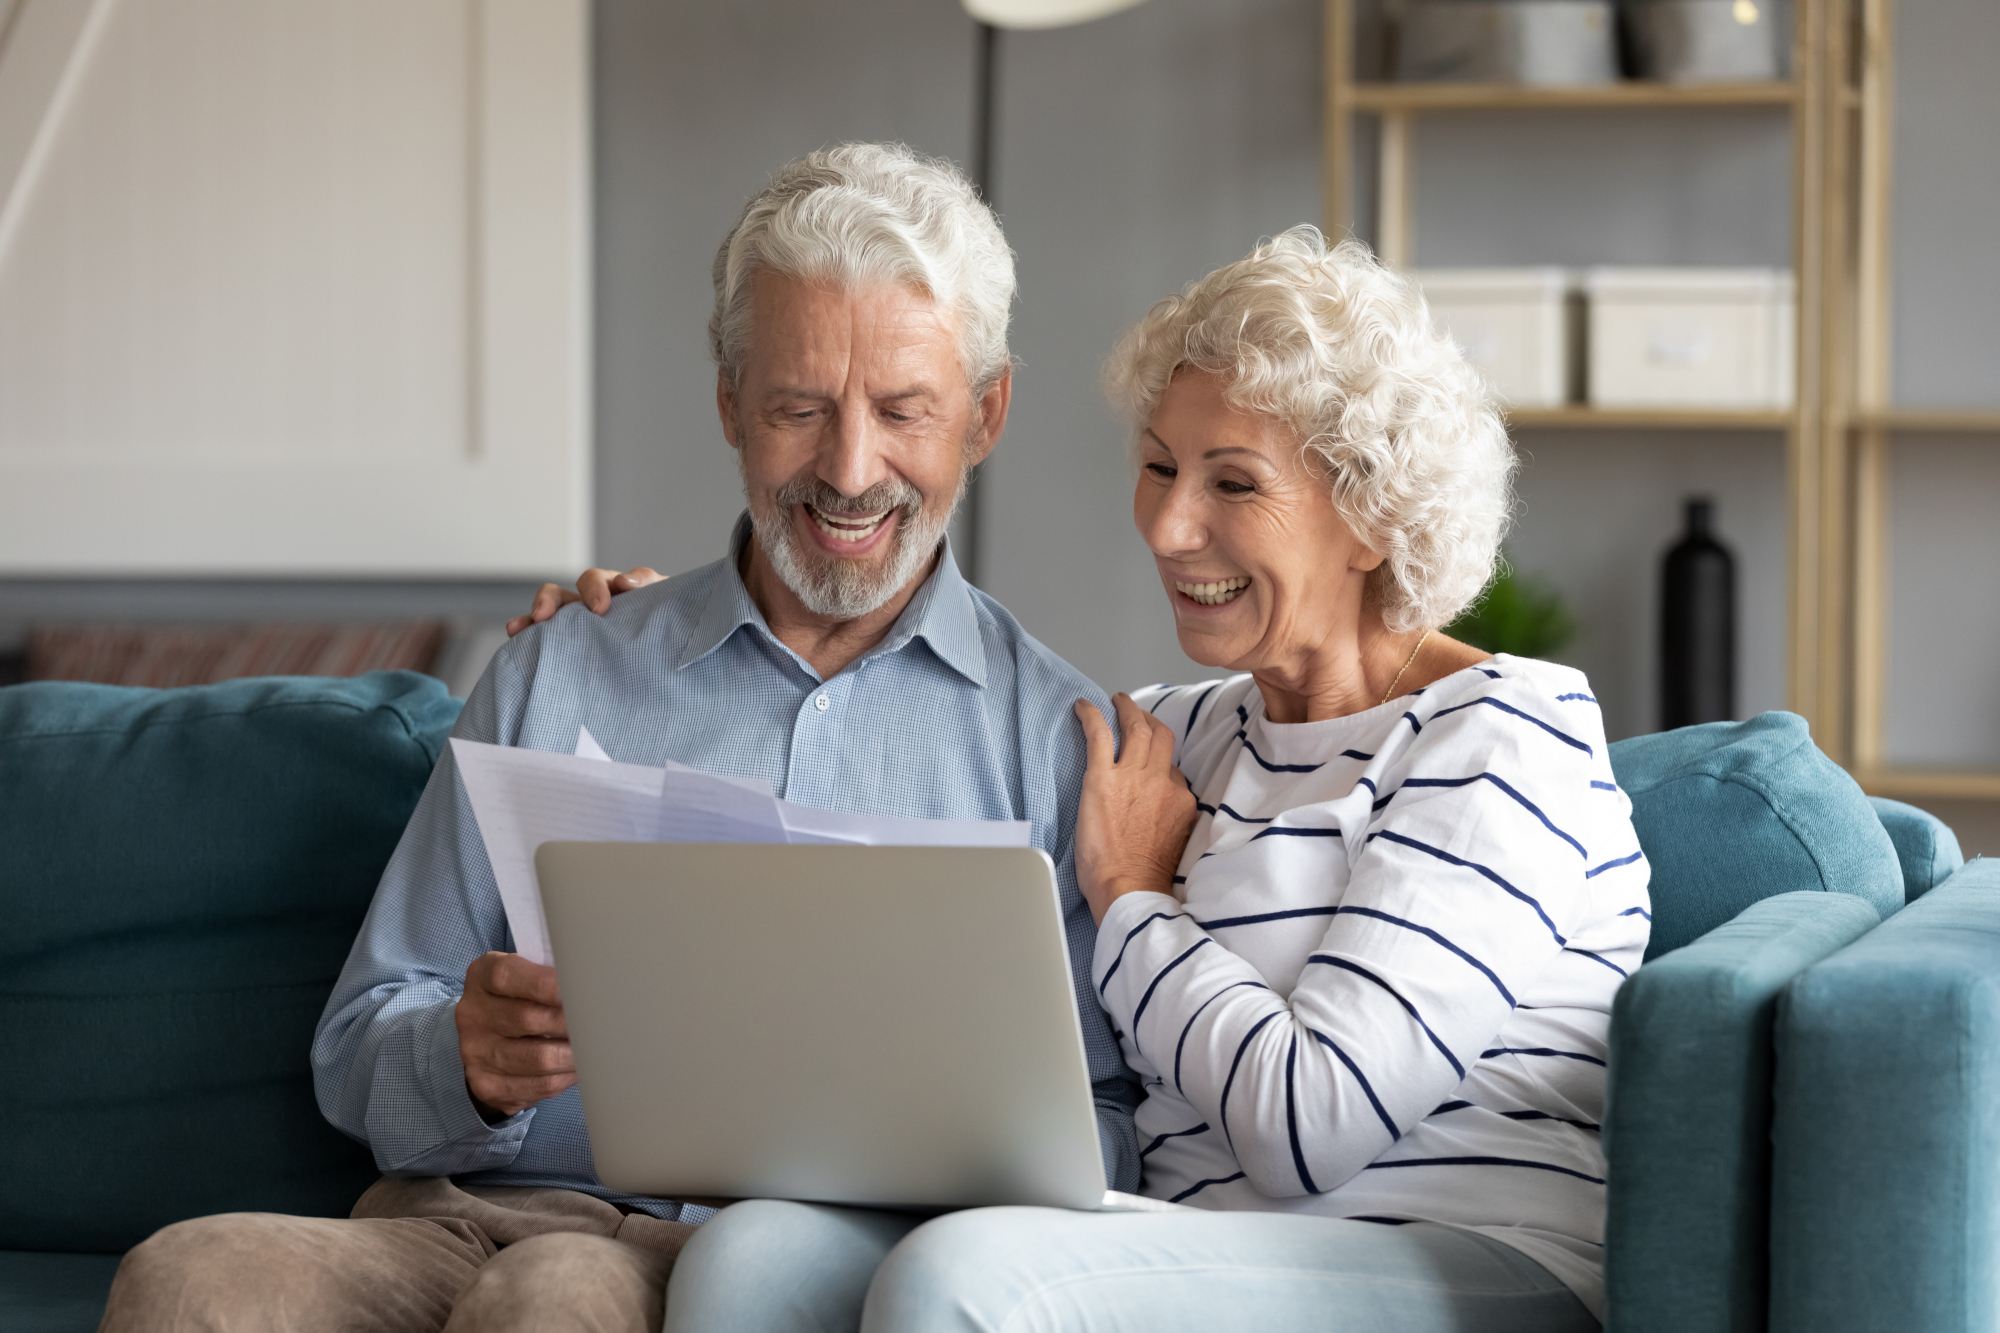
(1925, 845)
(184, 873)
(1730, 813)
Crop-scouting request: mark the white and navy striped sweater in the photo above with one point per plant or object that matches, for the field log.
(1382, 986)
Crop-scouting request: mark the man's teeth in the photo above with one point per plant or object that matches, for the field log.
(1214, 594)
(848, 527)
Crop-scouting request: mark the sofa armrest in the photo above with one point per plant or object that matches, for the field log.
(1687, 1124)
(1886, 1185)
(1925, 845)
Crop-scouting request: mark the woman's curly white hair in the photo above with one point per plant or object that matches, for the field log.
(1343, 351)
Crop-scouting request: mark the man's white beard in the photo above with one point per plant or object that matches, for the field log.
(845, 589)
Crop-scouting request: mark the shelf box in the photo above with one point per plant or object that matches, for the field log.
(1690, 337)
(1512, 325)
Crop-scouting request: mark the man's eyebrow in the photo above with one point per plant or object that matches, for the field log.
(777, 391)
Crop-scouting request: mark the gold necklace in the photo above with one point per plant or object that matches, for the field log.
(1391, 692)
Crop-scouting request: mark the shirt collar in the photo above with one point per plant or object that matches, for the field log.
(942, 614)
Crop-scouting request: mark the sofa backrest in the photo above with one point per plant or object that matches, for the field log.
(184, 872)
(1731, 813)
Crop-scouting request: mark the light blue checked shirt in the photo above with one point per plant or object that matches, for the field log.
(957, 714)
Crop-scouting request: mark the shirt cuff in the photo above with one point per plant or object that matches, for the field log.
(451, 1099)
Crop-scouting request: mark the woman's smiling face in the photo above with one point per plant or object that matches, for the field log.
(1263, 573)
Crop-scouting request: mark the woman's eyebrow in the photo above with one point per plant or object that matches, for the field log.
(1212, 453)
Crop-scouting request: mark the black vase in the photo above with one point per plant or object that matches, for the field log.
(1698, 625)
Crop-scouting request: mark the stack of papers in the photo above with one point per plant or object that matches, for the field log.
(524, 798)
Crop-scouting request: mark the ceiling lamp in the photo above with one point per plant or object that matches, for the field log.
(1042, 13)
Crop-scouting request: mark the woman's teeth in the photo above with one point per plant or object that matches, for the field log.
(1214, 594)
(848, 527)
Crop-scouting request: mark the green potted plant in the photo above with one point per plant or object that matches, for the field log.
(1519, 614)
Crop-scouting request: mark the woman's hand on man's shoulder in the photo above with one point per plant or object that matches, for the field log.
(594, 588)
(1133, 821)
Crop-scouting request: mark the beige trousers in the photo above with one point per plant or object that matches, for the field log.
(417, 1256)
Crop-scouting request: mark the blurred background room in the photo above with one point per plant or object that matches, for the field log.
(328, 332)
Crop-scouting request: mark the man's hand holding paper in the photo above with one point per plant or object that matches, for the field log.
(511, 1035)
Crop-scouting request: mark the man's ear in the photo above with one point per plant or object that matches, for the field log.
(725, 407)
(992, 409)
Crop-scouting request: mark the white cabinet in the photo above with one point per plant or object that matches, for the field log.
(294, 288)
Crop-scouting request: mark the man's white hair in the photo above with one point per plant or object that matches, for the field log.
(860, 215)
(1343, 352)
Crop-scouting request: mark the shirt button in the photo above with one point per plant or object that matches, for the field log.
(822, 703)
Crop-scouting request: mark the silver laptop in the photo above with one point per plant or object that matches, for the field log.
(892, 1026)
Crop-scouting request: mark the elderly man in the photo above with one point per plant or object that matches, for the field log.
(860, 337)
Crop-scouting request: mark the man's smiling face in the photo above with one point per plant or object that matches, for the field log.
(855, 429)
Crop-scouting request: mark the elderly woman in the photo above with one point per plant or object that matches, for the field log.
(1365, 902)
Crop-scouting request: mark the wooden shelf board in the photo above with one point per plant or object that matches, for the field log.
(1938, 422)
(1505, 97)
(1647, 418)
(1947, 784)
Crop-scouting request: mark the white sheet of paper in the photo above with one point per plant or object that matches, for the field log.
(588, 748)
(524, 798)
(695, 807)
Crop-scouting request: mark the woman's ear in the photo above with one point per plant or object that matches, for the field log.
(1364, 558)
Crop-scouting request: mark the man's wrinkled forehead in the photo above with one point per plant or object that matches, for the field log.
(895, 335)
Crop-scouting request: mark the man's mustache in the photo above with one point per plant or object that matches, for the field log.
(812, 490)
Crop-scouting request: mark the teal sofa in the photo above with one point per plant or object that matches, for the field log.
(182, 872)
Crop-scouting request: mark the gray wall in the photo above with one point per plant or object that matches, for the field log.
(1946, 230)
(1943, 705)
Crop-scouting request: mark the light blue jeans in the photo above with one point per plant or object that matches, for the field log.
(775, 1267)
